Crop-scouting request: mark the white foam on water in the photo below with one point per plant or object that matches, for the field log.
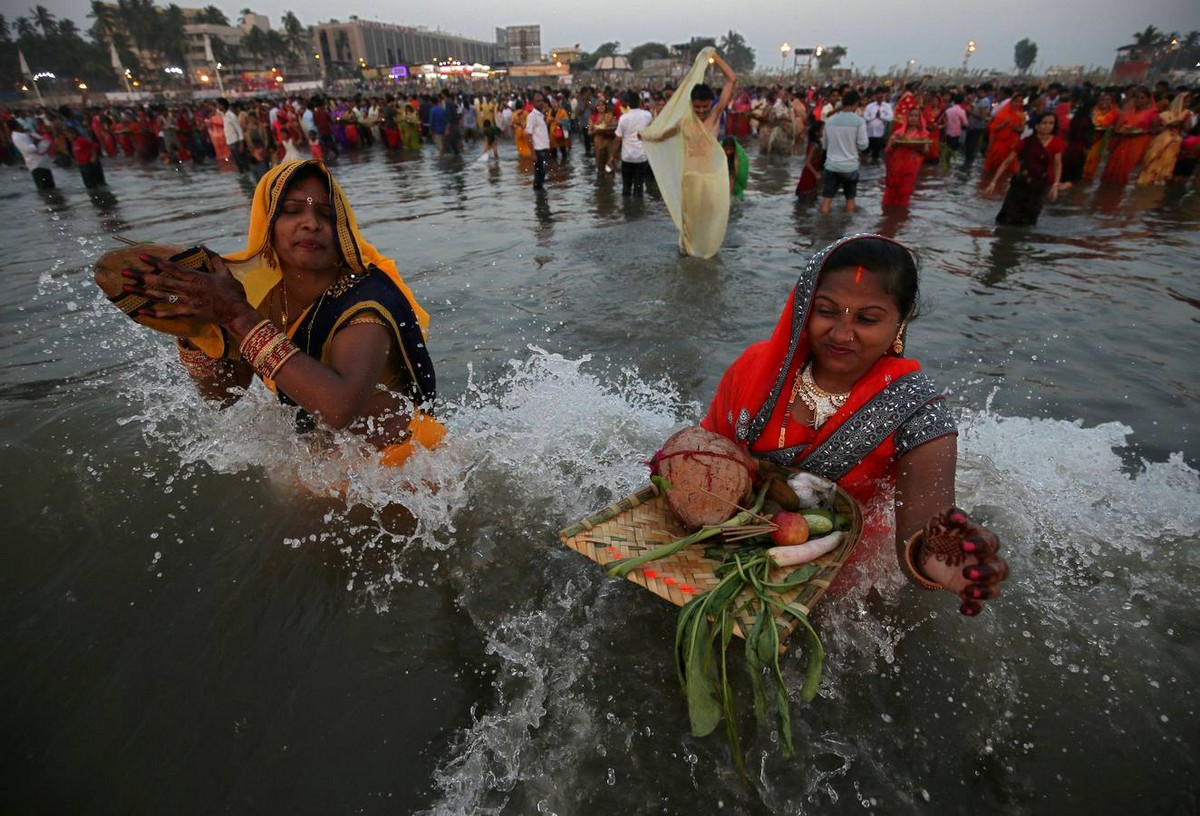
(1059, 494)
(551, 439)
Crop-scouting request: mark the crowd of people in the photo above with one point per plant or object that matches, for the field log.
(339, 335)
(1045, 139)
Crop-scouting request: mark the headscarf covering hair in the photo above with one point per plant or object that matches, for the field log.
(358, 255)
(760, 376)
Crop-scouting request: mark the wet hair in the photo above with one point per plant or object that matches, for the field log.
(702, 92)
(894, 263)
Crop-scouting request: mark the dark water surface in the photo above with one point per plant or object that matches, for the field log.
(191, 621)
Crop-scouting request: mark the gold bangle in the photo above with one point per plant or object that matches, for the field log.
(904, 553)
(255, 339)
(271, 359)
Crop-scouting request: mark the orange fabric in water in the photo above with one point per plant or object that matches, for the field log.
(424, 431)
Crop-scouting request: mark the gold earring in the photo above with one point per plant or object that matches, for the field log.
(898, 343)
(269, 256)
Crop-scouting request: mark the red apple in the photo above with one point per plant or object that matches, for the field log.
(792, 529)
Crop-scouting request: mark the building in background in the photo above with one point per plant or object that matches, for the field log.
(520, 45)
(346, 49)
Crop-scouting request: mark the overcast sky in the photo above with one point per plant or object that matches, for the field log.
(877, 33)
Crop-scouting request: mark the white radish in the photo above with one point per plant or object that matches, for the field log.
(803, 553)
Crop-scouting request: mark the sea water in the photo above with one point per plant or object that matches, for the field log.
(199, 613)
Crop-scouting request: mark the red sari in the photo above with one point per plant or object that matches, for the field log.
(904, 104)
(1131, 136)
(903, 163)
(1102, 123)
(1004, 132)
(855, 448)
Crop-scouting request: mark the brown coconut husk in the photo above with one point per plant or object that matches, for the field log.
(710, 476)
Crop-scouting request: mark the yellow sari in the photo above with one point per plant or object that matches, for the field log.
(258, 275)
(524, 146)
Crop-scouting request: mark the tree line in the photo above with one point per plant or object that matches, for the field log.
(137, 28)
(732, 47)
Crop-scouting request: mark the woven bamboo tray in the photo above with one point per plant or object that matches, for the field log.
(644, 522)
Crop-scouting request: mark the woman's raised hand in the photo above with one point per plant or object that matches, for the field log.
(963, 557)
(178, 291)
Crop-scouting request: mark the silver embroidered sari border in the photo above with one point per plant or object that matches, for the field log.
(870, 425)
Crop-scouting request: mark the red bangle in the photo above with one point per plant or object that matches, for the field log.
(257, 339)
(195, 361)
(271, 359)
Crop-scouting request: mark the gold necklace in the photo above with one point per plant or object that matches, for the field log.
(821, 402)
(783, 424)
(283, 309)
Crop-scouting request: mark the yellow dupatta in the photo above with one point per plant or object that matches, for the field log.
(259, 277)
(690, 168)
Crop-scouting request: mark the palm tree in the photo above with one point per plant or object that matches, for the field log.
(297, 36)
(276, 47)
(172, 41)
(255, 44)
(4, 30)
(105, 25)
(25, 28)
(212, 15)
(46, 21)
(140, 20)
(1150, 37)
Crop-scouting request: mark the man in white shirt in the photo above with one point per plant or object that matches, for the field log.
(878, 114)
(539, 138)
(845, 136)
(629, 142)
(35, 148)
(233, 134)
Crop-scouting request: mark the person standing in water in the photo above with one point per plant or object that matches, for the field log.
(844, 138)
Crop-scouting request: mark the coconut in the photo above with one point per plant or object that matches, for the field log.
(710, 476)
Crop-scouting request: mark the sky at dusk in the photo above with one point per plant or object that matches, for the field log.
(877, 33)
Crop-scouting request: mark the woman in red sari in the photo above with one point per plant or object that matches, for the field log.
(907, 101)
(123, 130)
(1104, 116)
(1132, 134)
(904, 155)
(1004, 132)
(831, 392)
(216, 134)
(102, 130)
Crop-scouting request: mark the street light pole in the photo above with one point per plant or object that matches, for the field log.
(783, 52)
(967, 54)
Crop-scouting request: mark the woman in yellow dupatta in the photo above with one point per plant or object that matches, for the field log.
(520, 137)
(310, 307)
